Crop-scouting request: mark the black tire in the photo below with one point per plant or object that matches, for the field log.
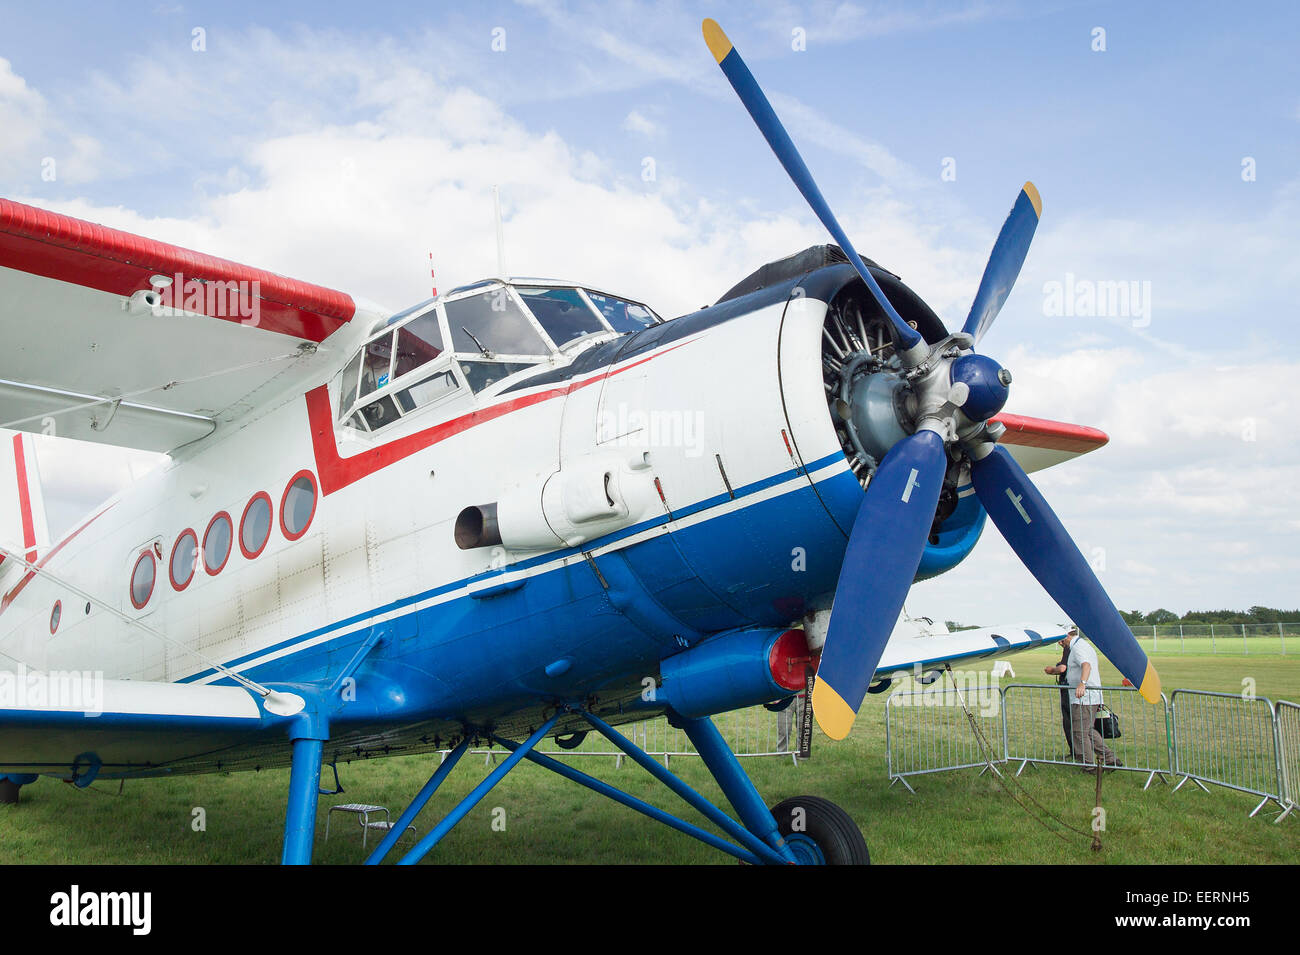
(832, 829)
(8, 791)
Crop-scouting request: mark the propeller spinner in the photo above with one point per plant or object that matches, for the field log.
(953, 391)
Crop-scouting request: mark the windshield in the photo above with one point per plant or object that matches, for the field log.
(562, 312)
(492, 322)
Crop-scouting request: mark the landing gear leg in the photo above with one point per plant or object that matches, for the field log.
(300, 814)
(734, 782)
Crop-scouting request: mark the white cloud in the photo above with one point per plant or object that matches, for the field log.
(634, 122)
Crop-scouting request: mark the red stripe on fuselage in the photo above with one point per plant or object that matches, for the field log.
(336, 472)
(24, 498)
(18, 588)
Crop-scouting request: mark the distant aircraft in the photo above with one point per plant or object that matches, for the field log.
(526, 508)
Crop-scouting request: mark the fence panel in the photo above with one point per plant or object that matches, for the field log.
(927, 731)
(1228, 740)
(1034, 730)
(1218, 638)
(1288, 754)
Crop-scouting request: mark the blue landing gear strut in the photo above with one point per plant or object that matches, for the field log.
(300, 815)
(758, 838)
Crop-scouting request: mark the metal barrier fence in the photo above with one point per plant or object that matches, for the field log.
(1143, 744)
(1227, 638)
(935, 734)
(1242, 743)
(1229, 740)
(1288, 753)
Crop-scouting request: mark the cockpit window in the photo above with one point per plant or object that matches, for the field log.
(491, 324)
(411, 359)
(484, 374)
(623, 316)
(348, 387)
(376, 362)
(418, 342)
(561, 312)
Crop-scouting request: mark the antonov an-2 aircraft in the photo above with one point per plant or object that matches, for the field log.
(401, 533)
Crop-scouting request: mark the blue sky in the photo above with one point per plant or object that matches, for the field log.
(341, 142)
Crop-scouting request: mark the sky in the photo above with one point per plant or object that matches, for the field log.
(341, 143)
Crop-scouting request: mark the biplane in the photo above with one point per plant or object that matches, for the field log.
(523, 509)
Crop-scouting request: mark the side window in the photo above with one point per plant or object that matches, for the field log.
(348, 386)
(418, 343)
(562, 312)
(483, 374)
(491, 324)
(429, 389)
(376, 359)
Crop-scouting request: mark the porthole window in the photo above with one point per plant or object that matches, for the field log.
(185, 559)
(142, 579)
(56, 615)
(298, 506)
(216, 543)
(255, 525)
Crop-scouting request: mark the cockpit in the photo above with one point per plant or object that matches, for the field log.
(496, 330)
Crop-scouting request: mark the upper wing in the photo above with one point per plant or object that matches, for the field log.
(119, 339)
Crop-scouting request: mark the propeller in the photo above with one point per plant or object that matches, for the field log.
(747, 88)
(956, 392)
(1004, 264)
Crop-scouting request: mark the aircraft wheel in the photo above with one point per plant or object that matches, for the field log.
(820, 832)
(8, 791)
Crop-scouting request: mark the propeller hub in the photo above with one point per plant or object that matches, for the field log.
(979, 386)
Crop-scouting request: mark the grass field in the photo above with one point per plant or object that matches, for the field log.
(956, 817)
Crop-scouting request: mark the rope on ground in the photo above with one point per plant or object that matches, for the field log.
(1047, 817)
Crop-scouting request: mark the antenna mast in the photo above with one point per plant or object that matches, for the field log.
(501, 239)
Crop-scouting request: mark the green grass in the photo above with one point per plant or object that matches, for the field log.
(956, 817)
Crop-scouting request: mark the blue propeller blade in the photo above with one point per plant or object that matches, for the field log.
(885, 547)
(747, 88)
(1005, 260)
(1043, 546)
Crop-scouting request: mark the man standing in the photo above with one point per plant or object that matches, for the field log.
(1083, 673)
(1058, 670)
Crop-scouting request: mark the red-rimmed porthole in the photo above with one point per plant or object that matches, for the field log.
(255, 525)
(298, 505)
(143, 576)
(56, 614)
(185, 560)
(217, 540)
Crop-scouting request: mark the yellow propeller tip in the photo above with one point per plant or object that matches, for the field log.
(1150, 688)
(1035, 199)
(718, 43)
(834, 716)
